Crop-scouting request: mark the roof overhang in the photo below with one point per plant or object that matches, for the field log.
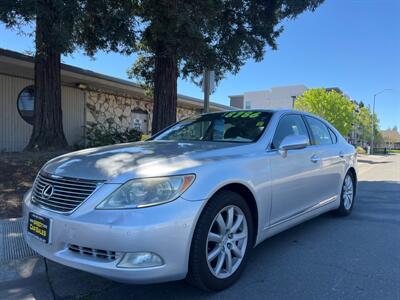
(20, 65)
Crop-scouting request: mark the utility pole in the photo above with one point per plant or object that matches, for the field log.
(206, 85)
(372, 126)
(372, 120)
(293, 100)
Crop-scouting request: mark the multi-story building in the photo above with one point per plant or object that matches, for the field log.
(391, 139)
(276, 97)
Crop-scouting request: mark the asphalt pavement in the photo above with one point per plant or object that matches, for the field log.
(354, 257)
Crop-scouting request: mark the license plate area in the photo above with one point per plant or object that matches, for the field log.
(39, 227)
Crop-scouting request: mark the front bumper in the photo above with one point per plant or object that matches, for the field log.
(165, 230)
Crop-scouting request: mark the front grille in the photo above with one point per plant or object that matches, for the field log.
(61, 194)
(98, 253)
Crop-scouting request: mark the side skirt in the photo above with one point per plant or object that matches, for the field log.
(300, 217)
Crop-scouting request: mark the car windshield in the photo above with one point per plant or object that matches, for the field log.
(234, 126)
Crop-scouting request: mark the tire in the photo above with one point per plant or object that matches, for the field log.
(346, 197)
(209, 239)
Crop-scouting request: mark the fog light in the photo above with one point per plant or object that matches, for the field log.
(140, 260)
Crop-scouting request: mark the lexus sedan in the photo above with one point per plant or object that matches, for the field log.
(193, 200)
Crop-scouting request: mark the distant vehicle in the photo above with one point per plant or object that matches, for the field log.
(193, 200)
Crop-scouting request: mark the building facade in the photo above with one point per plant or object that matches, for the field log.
(275, 98)
(86, 97)
(391, 139)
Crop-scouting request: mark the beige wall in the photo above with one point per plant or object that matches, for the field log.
(73, 107)
(275, 98)
(237, 101)
(15, 132)
(79, 107)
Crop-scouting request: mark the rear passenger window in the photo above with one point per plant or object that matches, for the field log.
(333, 136)
(319, 131)
(288, 125)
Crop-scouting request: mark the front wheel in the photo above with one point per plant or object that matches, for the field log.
(221, 242)
(347, 195)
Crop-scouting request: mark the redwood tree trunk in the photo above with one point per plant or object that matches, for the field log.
(165, 89)
(47, 133)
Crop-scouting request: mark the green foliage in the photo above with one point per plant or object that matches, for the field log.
(332, 106)
(364, 122)
(342, 113)
(90, 24)
(173, 38)
(360, 150)
(219, 35)
(60, 27)
(108, 134)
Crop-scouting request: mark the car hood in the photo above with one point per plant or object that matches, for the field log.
(119, 163)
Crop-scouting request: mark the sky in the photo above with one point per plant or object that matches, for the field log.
(350, 44)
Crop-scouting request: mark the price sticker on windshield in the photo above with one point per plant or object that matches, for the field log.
(242, 114)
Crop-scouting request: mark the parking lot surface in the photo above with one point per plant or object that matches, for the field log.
(355, 257)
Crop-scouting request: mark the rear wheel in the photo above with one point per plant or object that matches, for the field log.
(221, 242)
(347, 195)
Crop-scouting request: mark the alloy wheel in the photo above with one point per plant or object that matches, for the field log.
(348, 192)
(227, 241)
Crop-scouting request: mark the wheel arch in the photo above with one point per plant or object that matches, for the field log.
(248, 196)
(354, 174)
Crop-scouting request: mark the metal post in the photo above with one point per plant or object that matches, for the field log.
(372, 120)
(293, 100)
(372, 124)
(206, 83)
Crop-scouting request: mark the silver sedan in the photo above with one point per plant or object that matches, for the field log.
(193, 200)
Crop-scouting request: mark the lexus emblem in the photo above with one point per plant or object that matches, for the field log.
(47, 191)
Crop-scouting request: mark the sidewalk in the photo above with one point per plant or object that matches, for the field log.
(367, 162)
(22, 271)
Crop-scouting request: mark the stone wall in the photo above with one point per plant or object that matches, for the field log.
(102, 107)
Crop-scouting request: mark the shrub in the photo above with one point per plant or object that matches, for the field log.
(360, 150)
(110, 133)
(145, 137)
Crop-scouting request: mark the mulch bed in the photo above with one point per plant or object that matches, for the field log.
(17, 172)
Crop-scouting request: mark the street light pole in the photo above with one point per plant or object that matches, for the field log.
(372, 119)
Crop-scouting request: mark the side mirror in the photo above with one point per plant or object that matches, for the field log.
(293, 142)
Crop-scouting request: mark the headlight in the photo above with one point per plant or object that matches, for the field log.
(139, 193)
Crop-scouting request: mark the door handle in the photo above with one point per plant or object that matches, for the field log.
(341, 154)
(314, 158)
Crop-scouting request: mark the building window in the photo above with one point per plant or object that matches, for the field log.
(248, 105)
(26, 104)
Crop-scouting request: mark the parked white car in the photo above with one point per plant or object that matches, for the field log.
(192, 201)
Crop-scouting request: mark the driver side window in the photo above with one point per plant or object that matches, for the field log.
(288, 125)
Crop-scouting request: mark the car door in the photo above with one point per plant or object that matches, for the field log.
(331, 159)
(293, 175)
